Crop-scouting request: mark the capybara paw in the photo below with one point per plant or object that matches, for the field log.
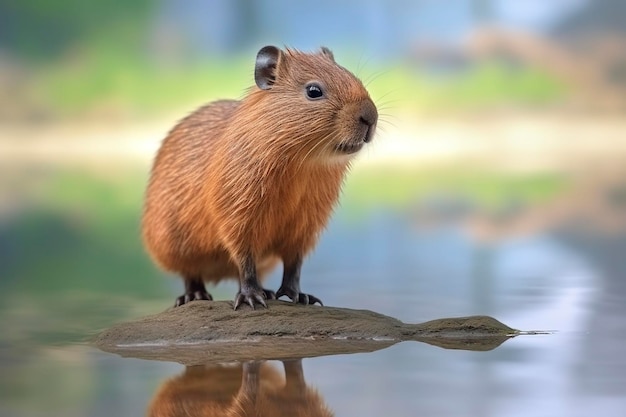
(298, 297)
(250, 296)
(193, 296)
(269, 294)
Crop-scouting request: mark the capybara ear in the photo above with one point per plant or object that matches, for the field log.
(328, 53)
(265, 68)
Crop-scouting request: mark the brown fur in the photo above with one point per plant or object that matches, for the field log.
(253, 390)
(254, 177)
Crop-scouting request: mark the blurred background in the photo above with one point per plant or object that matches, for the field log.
(502, 129)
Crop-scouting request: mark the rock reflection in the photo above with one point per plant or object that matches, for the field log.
(236, 390)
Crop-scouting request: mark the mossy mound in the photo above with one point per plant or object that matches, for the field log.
(211, 331)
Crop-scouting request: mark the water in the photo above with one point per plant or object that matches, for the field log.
(552, 279)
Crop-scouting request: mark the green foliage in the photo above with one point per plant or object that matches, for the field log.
(136, 87)
(400, 188)
(83, 234)
(40, 30)
(491, 84)
(484, 85)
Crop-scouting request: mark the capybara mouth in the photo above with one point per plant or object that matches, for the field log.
(350, 147)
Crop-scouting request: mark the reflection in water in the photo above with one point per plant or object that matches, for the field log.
(602, 369)
(237, 390)
(533, 268)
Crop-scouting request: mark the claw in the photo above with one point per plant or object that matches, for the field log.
(311, 299)
(250, 297)
(261, 301)
(237, 301)
(192, 296)
(298, 297)
(303, 299)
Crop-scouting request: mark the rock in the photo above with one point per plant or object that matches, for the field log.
(211, 331)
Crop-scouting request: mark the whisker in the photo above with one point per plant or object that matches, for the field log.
(320, 142)
(374, 76)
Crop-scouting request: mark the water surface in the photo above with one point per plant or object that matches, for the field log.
(551, 279)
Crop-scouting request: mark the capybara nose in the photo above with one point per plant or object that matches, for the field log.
(368, 115)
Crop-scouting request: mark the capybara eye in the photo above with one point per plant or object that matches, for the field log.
(314, 91)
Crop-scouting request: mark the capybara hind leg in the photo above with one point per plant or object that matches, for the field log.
(194, 290)
(291, 285)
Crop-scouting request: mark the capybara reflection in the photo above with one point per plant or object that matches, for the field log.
(252, 389)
